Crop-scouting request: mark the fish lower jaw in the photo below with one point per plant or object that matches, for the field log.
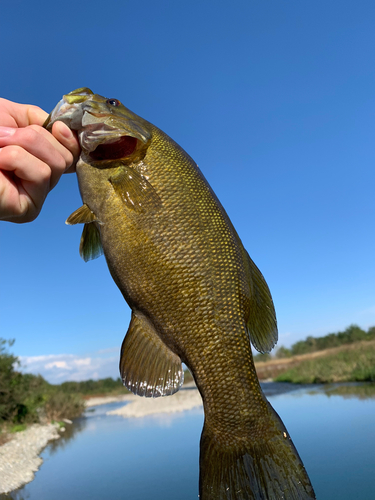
(93, 136)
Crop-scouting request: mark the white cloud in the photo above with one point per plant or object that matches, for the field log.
(57, 368)
(57, 364)
(83, 362)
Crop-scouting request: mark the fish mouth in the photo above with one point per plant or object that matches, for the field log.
(104, 132)
(100, 141)
(115, 149)
(103, 141)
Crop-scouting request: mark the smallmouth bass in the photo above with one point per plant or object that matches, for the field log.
(196, 296)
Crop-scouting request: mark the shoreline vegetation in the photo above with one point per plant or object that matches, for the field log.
(347, 356)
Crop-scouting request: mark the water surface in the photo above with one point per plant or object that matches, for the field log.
(109, 457)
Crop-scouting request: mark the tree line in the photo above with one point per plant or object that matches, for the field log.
(27, 398)
(350, 335)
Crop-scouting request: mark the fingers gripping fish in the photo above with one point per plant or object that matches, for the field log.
(196, 296)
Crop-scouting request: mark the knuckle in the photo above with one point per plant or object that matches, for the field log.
(20, 211)
(12, 154)
(69, 158)
(44, 173)
(36, 109)
(60, 163)
(30, 134)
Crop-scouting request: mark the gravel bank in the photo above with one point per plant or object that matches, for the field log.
(185, 399)
(19, 457)
(103, 400)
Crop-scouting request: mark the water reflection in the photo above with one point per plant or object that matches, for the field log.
(15, 495)
(275, 388)
(71, 430)
(357, 390)
(103, 456)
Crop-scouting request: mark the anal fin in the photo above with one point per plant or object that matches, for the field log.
(147, 366)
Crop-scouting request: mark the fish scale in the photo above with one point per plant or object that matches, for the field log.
(195, 294)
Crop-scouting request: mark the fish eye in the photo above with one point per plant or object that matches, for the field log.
(113, 102)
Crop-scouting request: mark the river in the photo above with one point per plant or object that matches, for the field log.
(156, 457)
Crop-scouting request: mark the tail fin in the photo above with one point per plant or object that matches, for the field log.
(255, 470)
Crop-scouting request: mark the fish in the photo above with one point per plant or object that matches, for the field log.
(195, 294)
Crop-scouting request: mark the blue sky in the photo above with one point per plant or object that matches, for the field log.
(273, 99)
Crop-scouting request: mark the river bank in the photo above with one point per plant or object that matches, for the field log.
(185, 399)
(348, 363)
(19, 458)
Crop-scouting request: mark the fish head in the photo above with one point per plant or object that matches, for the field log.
(106, 129)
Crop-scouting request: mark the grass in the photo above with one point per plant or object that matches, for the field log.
(352, 363)
(7, 429)
(18, 428)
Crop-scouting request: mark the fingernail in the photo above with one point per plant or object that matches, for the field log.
(7, 131)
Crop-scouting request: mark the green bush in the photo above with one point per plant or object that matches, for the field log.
(262, 358)
(283, 352)
(26, 398)
(62, 405)
(91, 387)
(10, 382)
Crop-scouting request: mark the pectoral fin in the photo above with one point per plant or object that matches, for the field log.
(261, 324)
(82, 215)
(90, 246)
(148, 367)
(134, 190)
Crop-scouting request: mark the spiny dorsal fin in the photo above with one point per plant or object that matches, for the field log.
(147, 366)
(134, 190)
(261, 325)
(90, 246)
(82, 215)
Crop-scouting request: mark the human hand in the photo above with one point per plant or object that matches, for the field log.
(32, 159)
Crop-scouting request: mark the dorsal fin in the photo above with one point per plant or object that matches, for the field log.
(147, 366)
(82, 215)
(134, 190)
(90, 246)
(261, 324)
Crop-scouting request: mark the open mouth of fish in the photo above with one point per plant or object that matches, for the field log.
(104, 143)
(100, 140)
